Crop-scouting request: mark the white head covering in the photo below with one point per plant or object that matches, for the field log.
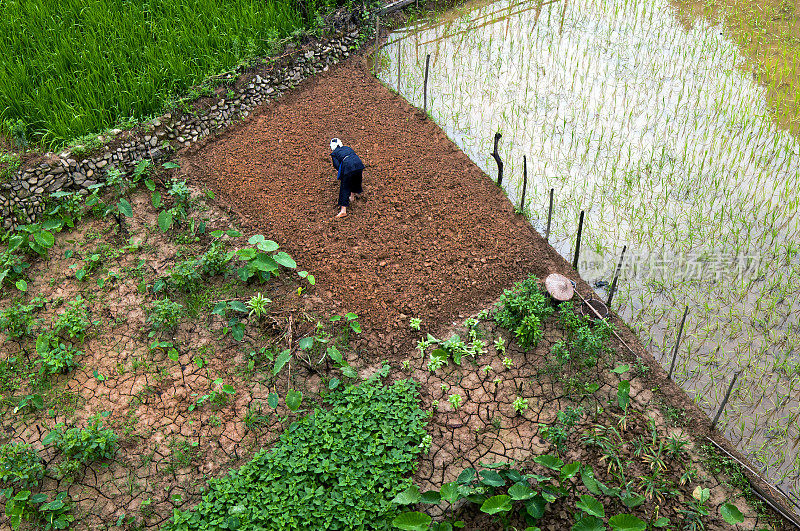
(335, 143)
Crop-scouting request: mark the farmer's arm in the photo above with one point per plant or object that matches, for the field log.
(336, 161)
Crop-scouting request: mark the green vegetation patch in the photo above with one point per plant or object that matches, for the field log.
(77, 67)
(337, 468)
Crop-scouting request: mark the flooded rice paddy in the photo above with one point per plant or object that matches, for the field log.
(661, 135)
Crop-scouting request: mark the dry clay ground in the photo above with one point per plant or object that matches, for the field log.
(435, 239)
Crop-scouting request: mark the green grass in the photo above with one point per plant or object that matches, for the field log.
(76, 67)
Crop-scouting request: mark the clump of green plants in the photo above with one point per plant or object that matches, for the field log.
(337, 471)
(74, 322)
(94, 442)
(520, 404)
(19, 320)
(164, 315)
(453, 348)
(55, 357)
(559, 432)
(523, 310)
(20, 465)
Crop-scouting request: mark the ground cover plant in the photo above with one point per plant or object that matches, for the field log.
(628, 92)
(87, 79)
(339, 467)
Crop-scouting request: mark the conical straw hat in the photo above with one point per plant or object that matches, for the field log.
(559, 287)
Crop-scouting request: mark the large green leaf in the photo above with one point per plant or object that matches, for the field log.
(125, 208)
(335, 355)
(164, 220)
(587, 477)
(624, 394)
(591, 505)
(293, 399)
(263, 262)
(589, 523)
(281, 360)
(518, 491)
(412, 521)
(449, 492)
(285, 260)
(570, 470)
(409, 496)
(731, 514)
(549, 461)
(627, 522)
(497, 504)
(466, 476)
(44, 238)
(492, 478)
(272, 400)
(431, 496)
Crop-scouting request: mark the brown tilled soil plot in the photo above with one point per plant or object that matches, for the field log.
(433, 238)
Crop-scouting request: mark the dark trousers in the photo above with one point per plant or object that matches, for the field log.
(349, 184)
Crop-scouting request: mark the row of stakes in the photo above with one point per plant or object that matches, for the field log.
(611, 292)
(613, 287)
(576, 255)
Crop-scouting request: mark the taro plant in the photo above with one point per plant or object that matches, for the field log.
(259, 260)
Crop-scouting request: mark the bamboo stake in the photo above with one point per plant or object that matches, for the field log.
(549, 217)
(524, 183)
(578, 243)
(725, 400)
(677, 343)
(425, 87)
(616, 277)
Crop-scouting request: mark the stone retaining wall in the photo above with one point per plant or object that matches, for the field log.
(22, 198)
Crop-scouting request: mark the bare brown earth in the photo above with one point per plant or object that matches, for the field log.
(433, 238)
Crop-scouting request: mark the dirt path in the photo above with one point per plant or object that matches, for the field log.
(434, 237)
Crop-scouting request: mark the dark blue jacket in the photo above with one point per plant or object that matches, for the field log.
(346, 161)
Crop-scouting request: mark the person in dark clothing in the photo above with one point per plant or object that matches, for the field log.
(350, 170)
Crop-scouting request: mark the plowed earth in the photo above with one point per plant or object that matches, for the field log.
(433, 236)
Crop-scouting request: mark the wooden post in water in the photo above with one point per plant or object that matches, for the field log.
(724, 400)
(563, 15)
(425, 85)
(616, 276)
(377, 33)
(399, 43)
(496, 156)
(549, 217)
(524, 183)
(578, 243)
(677, 343)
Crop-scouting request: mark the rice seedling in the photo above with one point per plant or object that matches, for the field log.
(76, 67)
(659, 132)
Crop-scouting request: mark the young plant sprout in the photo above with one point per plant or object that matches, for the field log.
(414, 323)
(520, 404)
(508, 363)
(455, 400)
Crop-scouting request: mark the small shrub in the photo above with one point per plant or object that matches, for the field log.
(215, 261)
(185, 276)
(20, 465)
(84, 444)
(164, 315)
(55, 356)
(20, 319)
(74, 321)
(522, 310)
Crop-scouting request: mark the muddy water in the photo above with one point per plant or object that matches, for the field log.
(662, 137)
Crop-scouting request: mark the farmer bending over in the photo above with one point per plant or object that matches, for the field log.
(350, 168)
